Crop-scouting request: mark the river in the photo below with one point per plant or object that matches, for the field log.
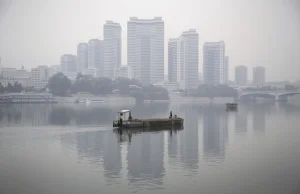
(73, 149)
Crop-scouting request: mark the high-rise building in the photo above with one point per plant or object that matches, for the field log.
(95, 54)
(40, 77)
(226, 66)
(214, 63)
(183, 60)
(112, 33)
(173, 60)
(259, 76)
(68, 63)
(82, 56)
(145, 49)
(241, 76)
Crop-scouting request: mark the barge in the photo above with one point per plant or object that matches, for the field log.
(231, 106)
(125, 120)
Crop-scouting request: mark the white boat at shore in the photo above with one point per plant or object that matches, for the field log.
(88, 101)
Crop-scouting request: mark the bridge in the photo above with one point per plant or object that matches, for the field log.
(279, 95)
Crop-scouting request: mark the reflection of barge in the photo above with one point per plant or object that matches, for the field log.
(27, 98)
(125, 120)
(126, 134)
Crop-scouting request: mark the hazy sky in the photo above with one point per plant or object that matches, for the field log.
(256, 32)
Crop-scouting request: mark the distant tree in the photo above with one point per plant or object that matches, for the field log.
(17, 87)
(9, 88)
(59, 84)
(290, 87)
(1, 88)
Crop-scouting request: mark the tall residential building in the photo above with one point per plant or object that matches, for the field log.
(173, 60)
(68, 63)
(95, 54)
(241, 76)
(112, 33)
(184, 60)
(259, 76)
(145, 49)
(226, 66)
(214, 63)
(82, 56)
(39, 77)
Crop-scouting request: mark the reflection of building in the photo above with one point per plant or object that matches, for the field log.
(111, 156)
(215, 130)
(259, 76)
(145, 49)
(259, 119)
(241, 122)
(183, 60)
(214, 63)
(145, 158)
(101, 146)
(112, 48)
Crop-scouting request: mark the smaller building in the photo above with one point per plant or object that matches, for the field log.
(13, 75)
(54, 69)
(241, 76)
(40, 77)
(259, 76)
(123, 71)
(93, 72)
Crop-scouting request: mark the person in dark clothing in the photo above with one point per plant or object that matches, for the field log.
(171, 115)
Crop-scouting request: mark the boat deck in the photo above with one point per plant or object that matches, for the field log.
(155, 122)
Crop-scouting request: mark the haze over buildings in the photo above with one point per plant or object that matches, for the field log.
(241, 75)
(251, 39)
(214, 63)
(145, 49)
(259, 76)
(112, 33)
(184, 59)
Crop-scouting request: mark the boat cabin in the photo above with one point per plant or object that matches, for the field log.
(124, 115)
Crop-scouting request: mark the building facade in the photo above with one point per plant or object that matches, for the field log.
(123, 71)
(82, 56)
(112, 55)
(40, 77)
(145, 49)
(241, 76)
(95, 54)
(183, 62)
(13, 75)
(214, 63)
(259, 76)
(68, 63)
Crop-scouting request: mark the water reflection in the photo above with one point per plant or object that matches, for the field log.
(241, 121)
(138, 156)
(215, 132)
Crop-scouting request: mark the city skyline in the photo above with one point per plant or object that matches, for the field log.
(249, 41)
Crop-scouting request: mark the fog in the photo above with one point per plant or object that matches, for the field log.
(256, 33)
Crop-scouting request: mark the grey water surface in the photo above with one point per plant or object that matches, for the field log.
(74, 149)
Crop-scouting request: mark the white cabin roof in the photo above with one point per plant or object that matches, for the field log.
(124, 111)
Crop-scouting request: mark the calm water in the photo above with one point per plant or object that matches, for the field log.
(73, 149)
